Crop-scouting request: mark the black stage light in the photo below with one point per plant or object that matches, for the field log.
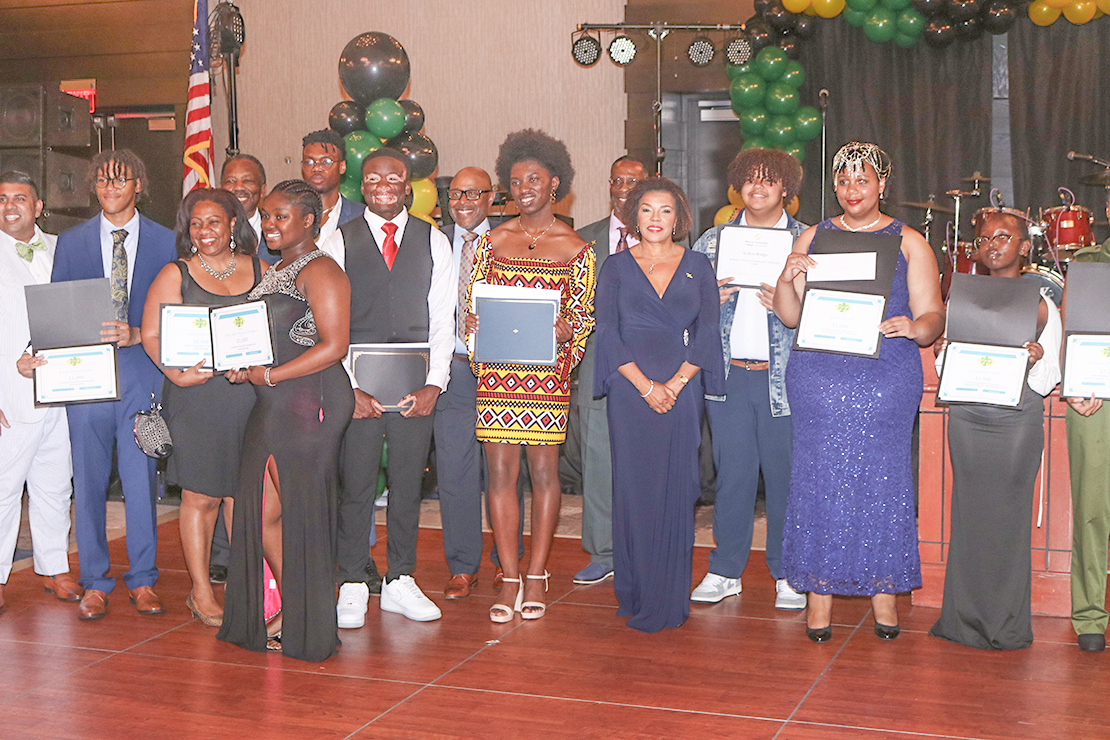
(586, 50)
(701, 51)
(738, 50)
(622, 50)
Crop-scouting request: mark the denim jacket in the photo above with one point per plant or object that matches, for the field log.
(781, 338)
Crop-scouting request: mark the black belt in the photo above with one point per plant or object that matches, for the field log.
(460, 357)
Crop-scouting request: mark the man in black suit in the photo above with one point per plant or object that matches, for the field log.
(609, 236)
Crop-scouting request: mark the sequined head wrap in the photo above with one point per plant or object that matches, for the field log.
(853, 154)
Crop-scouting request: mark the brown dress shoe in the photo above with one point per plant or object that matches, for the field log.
(63, 587)
(94, 605)
(498, 578)
(459, 586)
(146, 601)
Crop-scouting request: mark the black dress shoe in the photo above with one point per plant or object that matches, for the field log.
(217, 574)
(373, 578)
(886, 632)
(1092, 643)
(821, 634)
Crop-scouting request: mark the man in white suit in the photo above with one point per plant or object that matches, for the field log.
(34, 442)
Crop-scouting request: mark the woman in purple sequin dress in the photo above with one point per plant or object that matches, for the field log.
(850, 525)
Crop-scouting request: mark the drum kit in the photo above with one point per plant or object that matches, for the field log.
(1056, 233)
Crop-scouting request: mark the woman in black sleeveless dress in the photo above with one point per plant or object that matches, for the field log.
(207, 415)
(303, 404)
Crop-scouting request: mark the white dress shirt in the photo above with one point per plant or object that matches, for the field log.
(615, 225)
(130, 245)
(442, 293)
(329, 222)
(749, 339)
(255, 220)
(456, 255)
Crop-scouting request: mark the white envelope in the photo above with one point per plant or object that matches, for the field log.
(842, 266)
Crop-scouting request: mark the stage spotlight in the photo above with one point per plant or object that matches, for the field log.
(738, 51)
(586, 50)
(622, 50)
(701, 51)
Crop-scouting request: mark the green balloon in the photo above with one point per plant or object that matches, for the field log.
(385, 118)
(807, 123)
(896, 5)
(794, 74)
(780, 132)
(909, 23)
(781, 99)
(756, 142)
(350, 187)
(880, 25)
(359, 144)
(855, 17)
(905, 41)
(862, 6)
(733, 70)
(771, 63)
(753, 122)
(746, 90)
(796, 150)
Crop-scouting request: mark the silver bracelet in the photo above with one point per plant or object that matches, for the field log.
(266, 377)
(650, 389)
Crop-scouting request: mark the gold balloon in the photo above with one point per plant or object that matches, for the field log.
(792, 206)
(1059, 4)
(1103, 6)
(1080, 11)
(424, 217)
(734, 197)
(796, 6)
(828, 8)
(423, 196)
(725, 214)
(1042, 14)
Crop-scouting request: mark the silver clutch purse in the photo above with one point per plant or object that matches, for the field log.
(152, 435)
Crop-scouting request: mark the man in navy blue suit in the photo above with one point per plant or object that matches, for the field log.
(130, 250)
(323, 162)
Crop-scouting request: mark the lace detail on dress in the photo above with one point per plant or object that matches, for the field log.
(284, 281)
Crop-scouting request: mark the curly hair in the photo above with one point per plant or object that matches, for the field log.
(775, 164)
(536, 146)
(123, 157)
(657, 184)
(302, 194)
(245, 242)
(327, 137)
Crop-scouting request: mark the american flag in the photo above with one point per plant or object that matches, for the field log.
(198, 112)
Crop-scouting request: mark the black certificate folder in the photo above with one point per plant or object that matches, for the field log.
(68, 314)
(516, 325)
(389, 372)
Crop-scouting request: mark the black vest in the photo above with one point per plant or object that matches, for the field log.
(388, 305)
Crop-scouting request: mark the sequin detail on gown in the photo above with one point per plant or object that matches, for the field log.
(284, 281)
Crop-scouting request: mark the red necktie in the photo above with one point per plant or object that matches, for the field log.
(389, 249)
(622, 243)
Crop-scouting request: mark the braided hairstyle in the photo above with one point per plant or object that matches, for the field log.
(302, 194)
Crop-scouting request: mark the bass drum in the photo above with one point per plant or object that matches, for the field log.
(1049, 279)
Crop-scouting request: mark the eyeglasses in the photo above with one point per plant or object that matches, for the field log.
(311, 163)
(621, 182)
(468, 194)
(1001, 240)
(119, 182)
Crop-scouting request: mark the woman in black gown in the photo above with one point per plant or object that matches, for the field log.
(207, 415)
(289, 477)
(659, 353)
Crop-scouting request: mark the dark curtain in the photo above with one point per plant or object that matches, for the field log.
(1059, 102)
(929, 109)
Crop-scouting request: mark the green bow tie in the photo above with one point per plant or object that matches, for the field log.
(27, 251)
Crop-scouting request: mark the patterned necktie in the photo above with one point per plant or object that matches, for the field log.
(622, 243)
(27, 251)
(466, 267)
(119, 274)
(389, 249)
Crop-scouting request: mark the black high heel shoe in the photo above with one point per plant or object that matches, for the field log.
(886, 632)
(821, 634)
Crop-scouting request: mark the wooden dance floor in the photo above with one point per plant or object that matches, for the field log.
(738, 669)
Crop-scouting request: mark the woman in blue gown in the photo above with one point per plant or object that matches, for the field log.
(850, 523)
(657, 311)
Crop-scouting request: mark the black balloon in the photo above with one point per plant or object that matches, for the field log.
(759, 33)
(789, 44)
(970, 29)
(414, 116)
(999, 17)
(761, 5)
(930, 8)
(939, 33)
(962, 10)
(805, 26)
(374, 65)
(779, 18)
(420, 152)
(346, 117)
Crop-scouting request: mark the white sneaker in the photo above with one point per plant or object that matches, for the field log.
(403, 596)
(788, 598)
(713, 588)
(351, 609)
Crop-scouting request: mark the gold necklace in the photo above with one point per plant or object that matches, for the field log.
(535, 238)
(651, 267)
(862, 228)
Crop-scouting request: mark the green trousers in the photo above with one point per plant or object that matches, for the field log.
(1089, 456)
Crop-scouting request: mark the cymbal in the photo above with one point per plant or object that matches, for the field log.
(927, 204)
(1101, 179)
(976, 176)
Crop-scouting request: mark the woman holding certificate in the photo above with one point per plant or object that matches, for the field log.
(303, 404)
(850, 521)
(996, 452)
(528, 404)
(658, 354)
(216, 267)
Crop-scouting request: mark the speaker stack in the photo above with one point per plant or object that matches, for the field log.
(48, 135)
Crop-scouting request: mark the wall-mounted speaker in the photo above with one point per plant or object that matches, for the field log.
(40, 115)
(60, 177)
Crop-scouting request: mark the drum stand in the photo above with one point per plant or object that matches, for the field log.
(958, 196)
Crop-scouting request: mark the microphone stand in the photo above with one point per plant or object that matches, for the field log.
(823, 101)
(232, 64)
